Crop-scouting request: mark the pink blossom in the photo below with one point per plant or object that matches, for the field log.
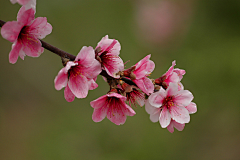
(134, 95)
(113, 106)
(107, 51)
(170, 104)
(173, 124)
(173, 76)
(27, 3)
(141, 70)
(79, 76)
(25, 34)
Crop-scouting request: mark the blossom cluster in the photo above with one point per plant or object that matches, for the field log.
(164, 98)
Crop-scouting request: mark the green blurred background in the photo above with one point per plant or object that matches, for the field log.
(203, 36)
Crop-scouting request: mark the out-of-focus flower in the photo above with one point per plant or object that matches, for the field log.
(79, 76)
(107, 52)
(27, 3)
(161, 22)
(140, 72)
(25, 34)
(170, 104)
(113, 106)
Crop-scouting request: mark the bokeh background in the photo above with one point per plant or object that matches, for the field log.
(203, 36)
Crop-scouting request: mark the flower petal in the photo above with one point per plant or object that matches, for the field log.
(170, 127)
(99, 114)
(192, 108)
(86, 56)
(14, 53)
(155, 116)
(92, 71)
(172, 89)
(40, 28)
(149, 108)
(178, 126)
(10, 30)
(116, 115)
(69, 96)
(61, 80)
(78, 85)
(25, 16)
(179, 114)
(157, 98)
(32, 46)
(165, 117)
(183, 98)
(92, 84)
(100, 102)
(145, 84)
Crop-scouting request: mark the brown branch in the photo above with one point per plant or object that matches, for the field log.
(64, 54)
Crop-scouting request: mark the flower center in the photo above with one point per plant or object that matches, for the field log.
(168, 102)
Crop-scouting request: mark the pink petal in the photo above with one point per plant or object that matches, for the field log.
(178, 126)
(192, 108)
(179, 114)
(92, 71)
(32, 46)
(30, 4)
(14, 53)
(129, 111)
(170, 127)
(180, 73)
(40, 28)
(157, 98)
(122, 98)
(78, 85)
(172, 89)
(110, 45)
(92, 84)
(61, 80)
(174, 78)
(183, 97)
(155, 116)
(69, 65)
(149, 108)
(113, 65)
(86, 56)
(145, 84)
(100, 102)
(170, 70)
(10, 30)
(25, 16)
(165, 117)
(69, 96)
(22, 54)
(116, 116)
(142, 62)
(13, 1)
(99, 114)
(144, 67)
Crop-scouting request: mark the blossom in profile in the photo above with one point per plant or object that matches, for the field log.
(79, 76)
(139, 74)
(173, 75)
(25, 34)
(171, 104)
(107, 52)
(134, 94)
(26, 3)
(113, 107)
